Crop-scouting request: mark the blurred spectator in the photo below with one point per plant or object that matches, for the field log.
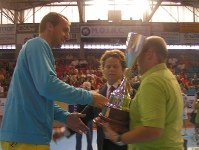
(75, 62)
(91, 58)
(185, 116)
(1, 91)
(172, 60)
(12, 63)
(195, 64)
(186, 62)
(69, 58)
(89, 135)
(90, 65)
(186, 81)
(181, 75)
(65, 77)
(96, 64)
(195, 82)
(80, 79)
(134, 71)
(181, 66)
(171, 68)
(83, 63)
(7, 79)
(6, 65)
(11, 70)
(180, 83)
(2, 77)
(3, 70)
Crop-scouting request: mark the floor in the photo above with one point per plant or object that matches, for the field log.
(66, 144)
(69, 143)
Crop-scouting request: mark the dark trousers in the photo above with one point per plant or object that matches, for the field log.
(89, 137)
(108, 145)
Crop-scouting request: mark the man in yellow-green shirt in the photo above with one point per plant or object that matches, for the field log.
(156, 111)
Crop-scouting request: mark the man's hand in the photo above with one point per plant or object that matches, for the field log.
(99, 100)
(109, 133)
(74, 122)
(57, 134)
(62, 132)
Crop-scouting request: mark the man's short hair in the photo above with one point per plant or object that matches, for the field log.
(53, 18)
(159, 46)
(86, 86)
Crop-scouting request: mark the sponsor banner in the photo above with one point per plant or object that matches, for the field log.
(22, 38)
(189, 38)
(189, 27)
(171, 27)
(7, 28)
(165, 27)
(169, 37)
(7, 39)
(2, 105)
(28, 28)
(113, 31)
(74, 38)
(74, 27)
(157, 27)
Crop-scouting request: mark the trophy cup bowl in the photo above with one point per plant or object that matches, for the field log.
(116, 112)
(117, 118)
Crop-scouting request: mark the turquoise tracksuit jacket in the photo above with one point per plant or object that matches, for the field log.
(30, 108)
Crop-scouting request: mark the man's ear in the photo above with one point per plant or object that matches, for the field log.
(150, 53)
(49, 26)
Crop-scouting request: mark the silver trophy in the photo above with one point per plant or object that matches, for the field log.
(134, 44)
(116, 112)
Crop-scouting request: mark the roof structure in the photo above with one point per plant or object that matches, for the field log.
(26, 4)
(20, 5)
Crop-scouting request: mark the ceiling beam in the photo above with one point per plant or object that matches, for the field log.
(154, 10)
(80, 9)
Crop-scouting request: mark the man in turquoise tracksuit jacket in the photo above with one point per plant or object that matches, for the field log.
(30, 108)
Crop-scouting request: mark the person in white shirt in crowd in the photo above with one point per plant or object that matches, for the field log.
(69, 58)
(75, 62)
(181, 66)
(172, 60)
(83, 63)
(185, 116)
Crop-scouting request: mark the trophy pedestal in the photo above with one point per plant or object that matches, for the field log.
(117, 118)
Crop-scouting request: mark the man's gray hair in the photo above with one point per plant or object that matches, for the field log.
(86, 85)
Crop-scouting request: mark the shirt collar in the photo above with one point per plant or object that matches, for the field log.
(115, 85)
(153, 69)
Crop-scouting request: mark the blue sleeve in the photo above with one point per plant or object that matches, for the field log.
(60, 114)
(41, 61)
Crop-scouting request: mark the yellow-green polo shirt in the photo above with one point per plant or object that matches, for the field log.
(158, 103)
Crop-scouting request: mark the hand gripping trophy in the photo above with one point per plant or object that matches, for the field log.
(116, 112)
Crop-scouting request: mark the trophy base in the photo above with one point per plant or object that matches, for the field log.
(118, 119)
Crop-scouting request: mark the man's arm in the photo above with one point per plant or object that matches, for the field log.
(88, 110)
(68, 132)
(140, 134)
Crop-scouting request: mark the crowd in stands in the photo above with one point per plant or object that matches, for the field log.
(6, 71)
(75, 71)
(186, 69)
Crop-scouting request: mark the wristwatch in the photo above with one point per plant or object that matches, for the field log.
(119, 142)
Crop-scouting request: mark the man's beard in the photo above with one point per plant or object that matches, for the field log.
(56, 45)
